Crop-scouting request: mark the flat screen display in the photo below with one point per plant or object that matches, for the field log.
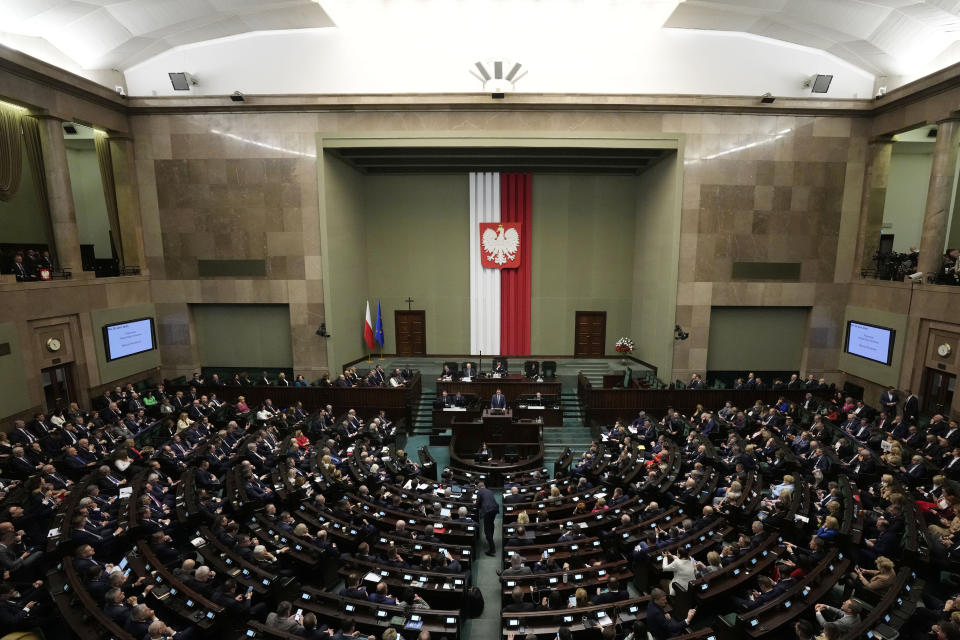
(870, 341)
(128, 338)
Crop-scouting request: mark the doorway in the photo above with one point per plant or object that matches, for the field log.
(411, 332)
(58, 389)
(938, 388)
(590, 334)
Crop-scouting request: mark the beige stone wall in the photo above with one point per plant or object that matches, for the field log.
(231, 187)
(756, 188)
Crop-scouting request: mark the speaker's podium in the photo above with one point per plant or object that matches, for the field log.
(497, 417)
(514, 444)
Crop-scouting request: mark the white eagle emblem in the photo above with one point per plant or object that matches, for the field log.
(501, 245)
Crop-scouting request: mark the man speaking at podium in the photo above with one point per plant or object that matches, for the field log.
(498, 401)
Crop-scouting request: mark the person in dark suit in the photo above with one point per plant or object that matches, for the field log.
(483, 454)
(911, 408)
(517, 603)
(488, 508)
(21, 271)
(613, 594)
(499, 367)
(15, 615)
(468, 372)
(889, 400)
(659, 623)
(498, 400)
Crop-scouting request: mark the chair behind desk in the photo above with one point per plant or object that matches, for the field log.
(549, 369)
(531, 368)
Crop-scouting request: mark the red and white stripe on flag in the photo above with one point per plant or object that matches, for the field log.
(368, 329)
(500, 263)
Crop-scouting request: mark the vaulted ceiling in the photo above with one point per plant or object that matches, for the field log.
(902, 39)
(116, 34)
(884, 37)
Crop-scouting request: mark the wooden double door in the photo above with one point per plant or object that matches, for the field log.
(590, 334)
(411, 332)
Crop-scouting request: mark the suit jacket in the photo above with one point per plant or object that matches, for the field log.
(659, 626)
(486, 502)
(498, 401)
(911, 408)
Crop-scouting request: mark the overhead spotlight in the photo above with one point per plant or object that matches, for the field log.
(499, 77)
(322, 331)
(821, 83)
(236, 96)
(881, 91)
(932, 133)
(181, 80)
(679, 333)
(767, 98)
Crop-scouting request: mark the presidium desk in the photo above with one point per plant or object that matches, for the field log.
(519, 392)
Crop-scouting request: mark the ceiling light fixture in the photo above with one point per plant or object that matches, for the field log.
(498, 76)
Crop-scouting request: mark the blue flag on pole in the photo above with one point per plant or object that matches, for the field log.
(378, 332)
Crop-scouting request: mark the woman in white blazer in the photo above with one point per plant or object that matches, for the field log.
(682, 566)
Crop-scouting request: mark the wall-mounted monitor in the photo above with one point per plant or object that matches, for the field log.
(870, 341)
(129, 338)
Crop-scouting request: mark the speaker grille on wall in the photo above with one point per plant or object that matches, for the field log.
(231, 268)
(821, 84)
(766, 271)
(4, 348)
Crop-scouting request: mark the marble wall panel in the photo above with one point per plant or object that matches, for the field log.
(243, 186)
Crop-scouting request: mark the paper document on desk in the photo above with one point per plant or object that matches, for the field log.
(372, 577)
(454, 408)
(532, 406)
(126, 492)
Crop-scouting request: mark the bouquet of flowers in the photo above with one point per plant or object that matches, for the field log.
(624, 346)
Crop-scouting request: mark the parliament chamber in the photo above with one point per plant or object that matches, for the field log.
(433, 320)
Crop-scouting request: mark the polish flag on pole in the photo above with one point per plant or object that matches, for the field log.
(368, 329)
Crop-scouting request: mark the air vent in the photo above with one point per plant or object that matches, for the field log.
(766, 271)
(231, 268)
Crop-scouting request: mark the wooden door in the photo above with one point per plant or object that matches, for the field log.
(590, 334)
(411, 327)
(58, 386)
(938, 391)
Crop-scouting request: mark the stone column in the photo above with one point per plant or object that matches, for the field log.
(936, 215)
(128, 202)
(874, 197)
(63, 217)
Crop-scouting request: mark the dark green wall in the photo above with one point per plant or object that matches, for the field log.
(20, 217)
(867, 369)
(13, 383)
(390, 237)
(131, 365)
(417, 245)
(583, 234)
(343, 233)
(243, 335)
(761, 338)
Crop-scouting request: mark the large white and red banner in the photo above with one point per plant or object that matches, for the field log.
(500, 263)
